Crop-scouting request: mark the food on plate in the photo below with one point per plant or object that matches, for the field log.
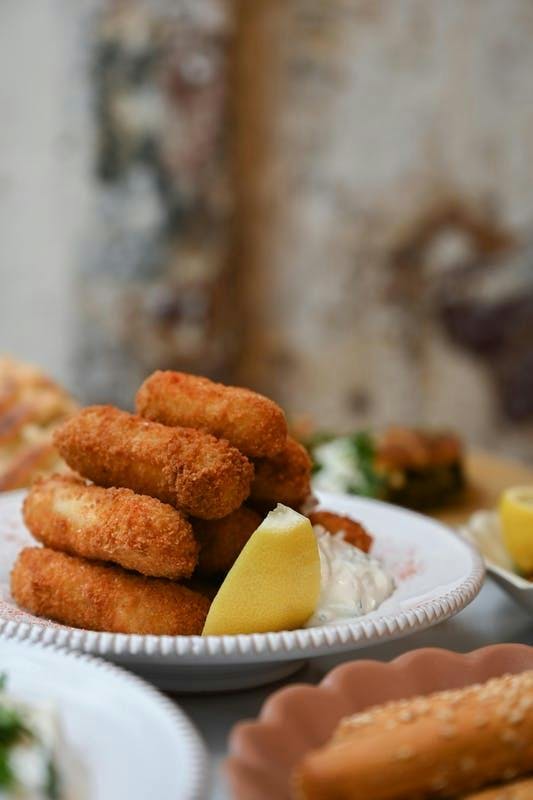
(190, 469)
(285, 478)
(165, 502)
(252, 423)
(221, 540)
(34, 758)
(135, 531)
(516, 517)
(410, 467)
(443, 745)
(101, 597)
(31, 407)
(352, 531)
(275, 582)
(352, 583)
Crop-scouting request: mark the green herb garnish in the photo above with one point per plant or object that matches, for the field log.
(370, 483)
(12, 731)
(367, 481)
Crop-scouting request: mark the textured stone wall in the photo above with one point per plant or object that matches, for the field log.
(387, 188)
(156, 284)
(370, 257)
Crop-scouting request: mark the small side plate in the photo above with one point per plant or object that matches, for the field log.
(297, 719)
(483, 530)
(127, 739)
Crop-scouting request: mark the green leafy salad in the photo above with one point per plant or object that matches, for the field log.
(27, 761)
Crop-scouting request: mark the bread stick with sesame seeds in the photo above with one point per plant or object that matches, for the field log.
(251, 422)
(189, 469)
(443, 745)
(516, 790)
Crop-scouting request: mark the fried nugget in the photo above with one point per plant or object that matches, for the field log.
(221, 540)
(135, 531)
(354, 533)
(200, 475)
(101, 597)
(252, 423)
(286, 478)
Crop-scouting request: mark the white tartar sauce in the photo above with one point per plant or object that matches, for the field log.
(352, 583)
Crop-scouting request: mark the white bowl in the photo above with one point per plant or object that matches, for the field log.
(123, 739)
(437, 574)
(484, 531)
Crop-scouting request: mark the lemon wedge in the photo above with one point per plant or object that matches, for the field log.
(274, 584)
(516, 515)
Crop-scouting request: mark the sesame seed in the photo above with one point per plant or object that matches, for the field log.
(508, 736)
(516, 716)
(448, 732)
(404, 753)
(406, 715)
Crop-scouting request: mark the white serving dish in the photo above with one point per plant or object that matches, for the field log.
(127, 740)
(437, 574)
(484, 531)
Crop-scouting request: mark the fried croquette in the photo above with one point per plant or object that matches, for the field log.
(286, 478)
(102, 597)
(221, 540)
(353, 531)
(191, 470)
(252, 423)
(135, 531)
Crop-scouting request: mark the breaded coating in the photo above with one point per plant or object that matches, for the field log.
(191, 470)
(221, 540)
(252, 423)
(286, 478)
(354, 533)
(135, 531)
(101, 597)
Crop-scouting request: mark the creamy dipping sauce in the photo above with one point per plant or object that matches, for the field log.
(352, 583)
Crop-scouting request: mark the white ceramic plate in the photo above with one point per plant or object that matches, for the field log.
(484, 531)
(436, 572)
(127, 739)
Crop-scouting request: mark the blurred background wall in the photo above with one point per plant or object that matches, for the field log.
(328, 200)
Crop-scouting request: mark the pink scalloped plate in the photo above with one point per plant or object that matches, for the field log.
(299, 718)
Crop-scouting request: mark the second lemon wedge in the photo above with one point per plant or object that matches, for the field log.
(516, 514)
(274, 584)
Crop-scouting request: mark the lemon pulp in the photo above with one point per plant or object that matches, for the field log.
(516, 515)
(274, 584)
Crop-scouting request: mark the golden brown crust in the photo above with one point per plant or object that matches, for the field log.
(135, 531)
(442, 745)
(286, 478)
(99, 597)
(200, 475)
(354, 533)
(221, 540)
(251, 422)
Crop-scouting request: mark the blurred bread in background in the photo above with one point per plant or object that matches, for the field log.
(31, 407)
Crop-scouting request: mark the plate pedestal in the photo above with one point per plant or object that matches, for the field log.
(189, 679)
